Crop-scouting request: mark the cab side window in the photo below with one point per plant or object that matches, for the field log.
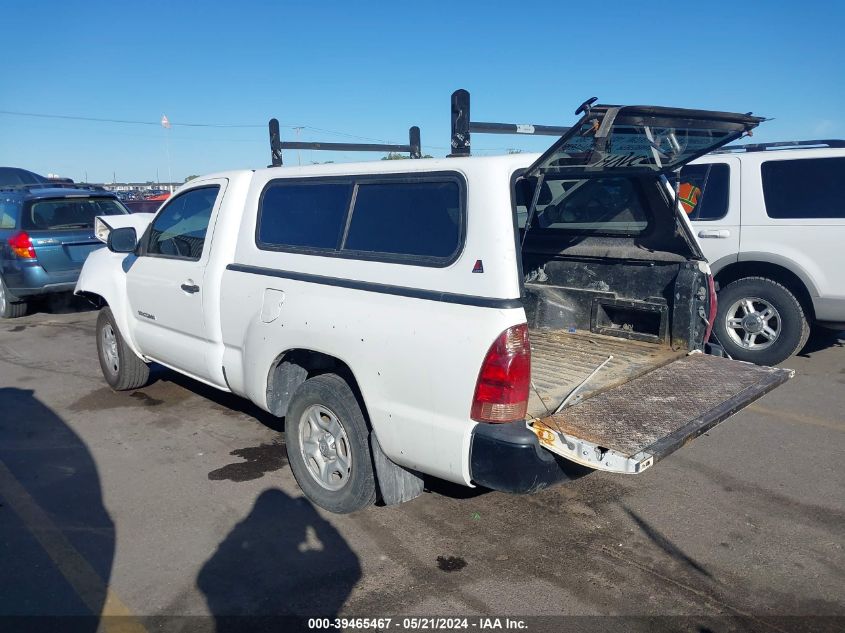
(179, 230)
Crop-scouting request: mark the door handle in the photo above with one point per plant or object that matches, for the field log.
(190, 288)
(715, 233)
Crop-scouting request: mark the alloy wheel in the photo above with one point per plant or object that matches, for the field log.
(753, 323)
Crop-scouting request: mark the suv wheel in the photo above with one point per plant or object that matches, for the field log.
(122, 369)
(328, 447)
(760, 321)
(10, 307)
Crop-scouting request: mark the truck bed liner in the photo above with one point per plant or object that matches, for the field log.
(560, 361)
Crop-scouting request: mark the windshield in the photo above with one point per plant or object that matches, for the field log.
(69, 213)
(597, 205)
(640, 140)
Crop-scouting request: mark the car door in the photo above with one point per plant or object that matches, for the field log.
(709, 192)
(164, 283)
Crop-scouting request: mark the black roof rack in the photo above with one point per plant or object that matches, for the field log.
(277, 145)
(762, 147)
(463, 126)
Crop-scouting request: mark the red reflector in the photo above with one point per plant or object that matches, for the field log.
(21, 245)
(501, 392)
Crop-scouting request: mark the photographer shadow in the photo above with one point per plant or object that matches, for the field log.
(278, 567)
(57, 540)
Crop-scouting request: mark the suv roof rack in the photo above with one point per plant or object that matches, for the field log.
(277, 145)
(463, 126)
(762, 147)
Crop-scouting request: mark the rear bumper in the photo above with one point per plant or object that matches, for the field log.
(508, 457)
(26, 279)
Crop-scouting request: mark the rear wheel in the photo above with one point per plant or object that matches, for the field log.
(328, 447)
(10, 306)
(760, 321)
(122, 368)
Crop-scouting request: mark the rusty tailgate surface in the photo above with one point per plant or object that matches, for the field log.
(663, 409)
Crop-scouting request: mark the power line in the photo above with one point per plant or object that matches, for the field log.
(157, 123)
(122, 121)
(217, 125)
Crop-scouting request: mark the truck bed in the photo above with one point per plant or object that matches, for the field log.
(561, 360)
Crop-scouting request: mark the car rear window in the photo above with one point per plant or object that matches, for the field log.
(68, 213)
(806, 188)
(419, 219)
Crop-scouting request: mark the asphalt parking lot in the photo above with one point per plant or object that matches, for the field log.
(176, 500)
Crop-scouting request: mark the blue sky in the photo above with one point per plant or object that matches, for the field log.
(374, 69)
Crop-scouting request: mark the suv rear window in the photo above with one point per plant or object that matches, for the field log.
(68, 213)
(806, 188)
(704, 191)
(589, 205)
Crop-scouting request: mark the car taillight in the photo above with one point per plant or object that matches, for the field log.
(711, 315)
(21, 245)
(501, 392)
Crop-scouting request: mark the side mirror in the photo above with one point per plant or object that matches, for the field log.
(122, 240)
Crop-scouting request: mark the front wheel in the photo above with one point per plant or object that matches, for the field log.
(760, 321)
(122, 368)
(328, 447)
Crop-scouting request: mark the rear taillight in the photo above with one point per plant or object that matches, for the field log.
(501, 392)
(21, 246)
(711, 315)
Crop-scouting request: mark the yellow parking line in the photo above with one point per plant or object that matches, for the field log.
(86, 582)
(799, 418)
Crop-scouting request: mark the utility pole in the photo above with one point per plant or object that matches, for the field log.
(298, 156)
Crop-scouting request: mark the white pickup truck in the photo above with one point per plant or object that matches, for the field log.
(509, 321)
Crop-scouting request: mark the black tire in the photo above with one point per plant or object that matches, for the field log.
(793, 329)
(10, 306)
(126, 371)
(329, 395)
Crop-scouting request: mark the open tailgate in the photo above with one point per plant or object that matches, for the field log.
(629, 428)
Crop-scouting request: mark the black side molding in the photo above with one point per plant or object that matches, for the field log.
(369, 286)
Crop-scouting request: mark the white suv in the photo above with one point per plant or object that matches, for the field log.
(771, 220)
